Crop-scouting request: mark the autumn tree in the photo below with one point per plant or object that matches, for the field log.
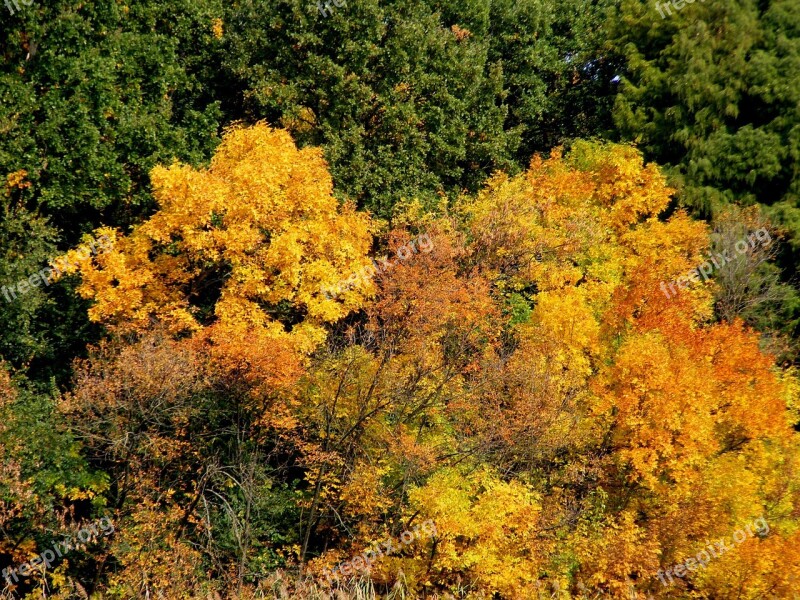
(225, 286)
(239, 254)
(521, 378)
(612, 422)
(636, 417)
(47, 490)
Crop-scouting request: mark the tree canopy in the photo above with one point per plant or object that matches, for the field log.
(404, 299)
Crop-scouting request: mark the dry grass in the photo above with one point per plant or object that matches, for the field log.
(282, 585)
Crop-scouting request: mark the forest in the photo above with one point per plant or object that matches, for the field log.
(400, 299)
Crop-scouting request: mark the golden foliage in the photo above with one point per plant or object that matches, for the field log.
(525, 384)
(238, 254)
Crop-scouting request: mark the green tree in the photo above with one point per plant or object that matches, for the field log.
(411, 98)
(94, 95)
(712, 93)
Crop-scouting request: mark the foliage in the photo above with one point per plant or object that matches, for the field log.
(26, 239)
(711, 93)
(90, 108)
(93, 97)
(412, 98)
(240, 252)
(47, 490)
(522, 381)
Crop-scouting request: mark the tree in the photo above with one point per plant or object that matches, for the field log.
(47, 489)
(706, 92)
(88, 108)
(88, 142)
(411, 98)
(240, 253)
(231, 272)
(627, 411)
(710, 93)
(749, 279)
(521, 371)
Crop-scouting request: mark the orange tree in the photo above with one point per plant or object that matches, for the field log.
(530, 388)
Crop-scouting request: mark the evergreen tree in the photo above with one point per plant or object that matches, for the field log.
(712, 93)
(411, 98)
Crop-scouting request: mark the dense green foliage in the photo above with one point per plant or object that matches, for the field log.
(712, 93)
(411, 98)
(407, 98)
(94, 95)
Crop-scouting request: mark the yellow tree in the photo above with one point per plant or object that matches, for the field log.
(646, 430)
(215, 303)
(239, 253)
